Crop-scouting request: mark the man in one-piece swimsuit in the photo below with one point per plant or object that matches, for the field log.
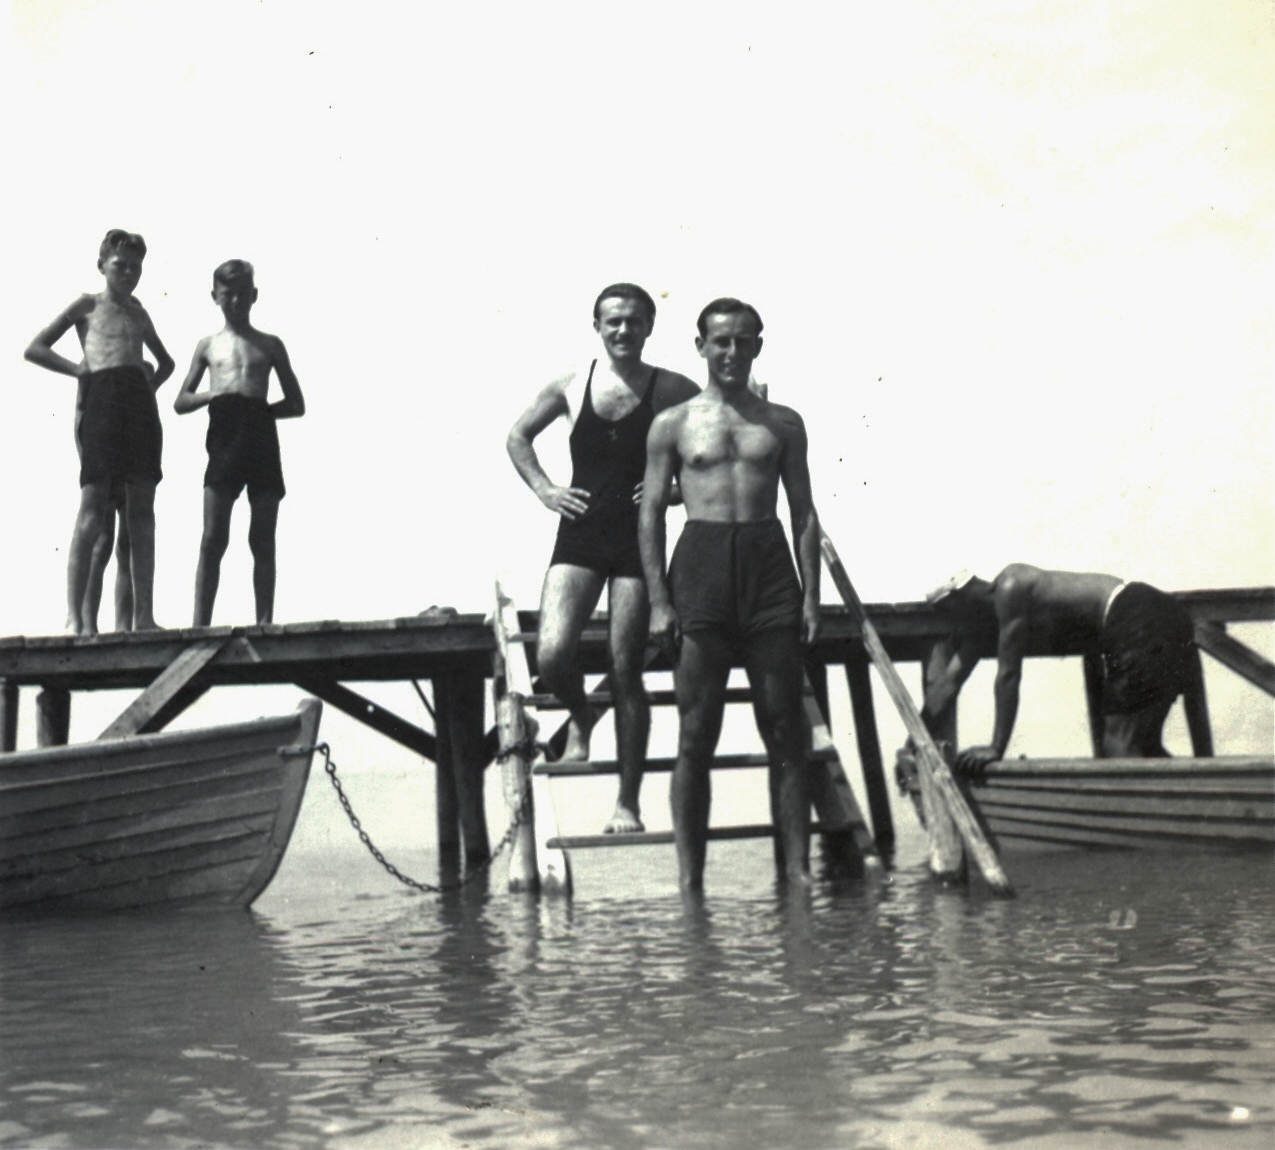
(609, 405)
(1143, 638)
(731, 588)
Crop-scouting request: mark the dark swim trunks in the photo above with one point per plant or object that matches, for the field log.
(120, 436)
(608, 460)
(243, 447)
(1147, 650)
(734, 578)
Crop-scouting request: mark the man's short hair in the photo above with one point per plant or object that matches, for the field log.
(233, 272)
(118, 240)
(625, 291)
(727, 305)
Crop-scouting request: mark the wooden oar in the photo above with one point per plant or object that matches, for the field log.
(928, 754)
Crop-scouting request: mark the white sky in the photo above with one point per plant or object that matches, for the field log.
(1015, 262)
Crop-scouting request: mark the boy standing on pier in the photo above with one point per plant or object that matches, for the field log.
(242, 442)
(118, 429)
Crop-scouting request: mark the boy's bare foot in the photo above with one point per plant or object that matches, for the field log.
(623, 822)
(577, 748)
(146, 625)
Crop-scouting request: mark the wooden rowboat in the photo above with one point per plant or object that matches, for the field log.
(1046, 804)
(188, 817)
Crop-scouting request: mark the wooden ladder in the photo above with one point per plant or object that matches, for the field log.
(848, 840)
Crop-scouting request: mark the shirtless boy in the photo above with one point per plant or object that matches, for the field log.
(731, 586)
(1143, 637)
(119, 433)
(609, 406)
(242, 442)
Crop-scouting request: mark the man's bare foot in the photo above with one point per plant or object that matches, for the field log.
(146, 625)
(623, 822)
(577, 748)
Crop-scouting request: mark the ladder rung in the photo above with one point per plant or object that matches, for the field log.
(721, 762)
(545, 702)
(659, 838)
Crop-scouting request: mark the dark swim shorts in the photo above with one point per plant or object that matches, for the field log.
(734, 578)
(121, 439)
(243, 447)
(1147, 649)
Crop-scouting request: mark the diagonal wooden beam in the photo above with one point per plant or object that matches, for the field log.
(373, 715)
(155, 704)
(1231, 653)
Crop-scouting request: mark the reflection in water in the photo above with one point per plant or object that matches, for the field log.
(1122, 995)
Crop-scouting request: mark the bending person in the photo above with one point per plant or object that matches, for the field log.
(1143, 638)
(609, 406)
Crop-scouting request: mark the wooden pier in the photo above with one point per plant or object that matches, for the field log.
(173, 668)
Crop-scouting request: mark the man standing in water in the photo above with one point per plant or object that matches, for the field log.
(731, 586)
(609, 406)
(1143, 637)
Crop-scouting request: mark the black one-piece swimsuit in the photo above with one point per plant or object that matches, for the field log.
(608, 460)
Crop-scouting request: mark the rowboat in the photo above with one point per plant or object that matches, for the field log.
(177, 818)
(1044, 804)
(1033, 805)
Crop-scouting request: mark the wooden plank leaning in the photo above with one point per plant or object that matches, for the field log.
(532, 863)
(140, 715)
(931, 762)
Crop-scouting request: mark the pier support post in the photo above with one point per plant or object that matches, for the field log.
(52, 717)
(947, 855)
(869, 743)
(8, 715)
(1093, 701)
(446, 800)
(1196, 705)
(468, 694)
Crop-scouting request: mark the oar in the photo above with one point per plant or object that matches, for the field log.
(971, 833)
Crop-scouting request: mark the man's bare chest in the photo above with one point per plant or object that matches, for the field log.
(237, 357)
(711, 442)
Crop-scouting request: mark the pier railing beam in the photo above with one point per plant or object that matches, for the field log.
(52, 717)
(8, 715)
(947, 854)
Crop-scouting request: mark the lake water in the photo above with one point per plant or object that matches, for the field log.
(1120, 1001)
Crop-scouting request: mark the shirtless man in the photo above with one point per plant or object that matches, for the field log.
(243, 443)
(609, 406)
(731, 586)
(1143, 636)
(118, 432)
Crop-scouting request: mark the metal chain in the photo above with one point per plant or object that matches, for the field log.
(520, 817)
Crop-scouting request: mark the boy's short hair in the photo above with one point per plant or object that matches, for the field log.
(232, 272)
(118, 240)
(727, 305)
(625, 291)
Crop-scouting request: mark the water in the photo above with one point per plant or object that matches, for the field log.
(1119, 1001)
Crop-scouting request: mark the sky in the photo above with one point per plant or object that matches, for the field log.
(1014, 261)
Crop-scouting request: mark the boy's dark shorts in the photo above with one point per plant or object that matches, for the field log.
(1147, 650)
(243, 448)
(736, 579)
(120, 436)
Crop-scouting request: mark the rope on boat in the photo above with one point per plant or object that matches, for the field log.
(527, 746)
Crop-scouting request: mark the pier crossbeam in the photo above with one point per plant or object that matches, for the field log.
(417, 648)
